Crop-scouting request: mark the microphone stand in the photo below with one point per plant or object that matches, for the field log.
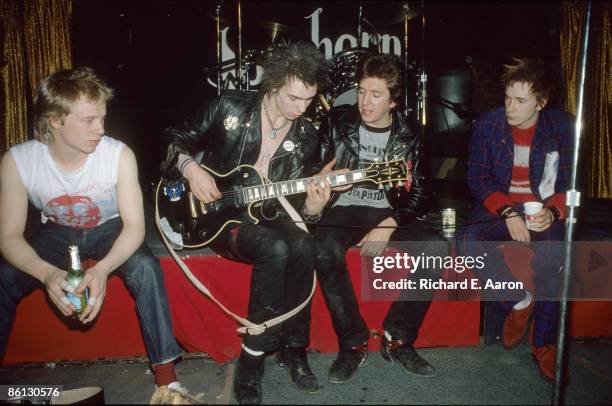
(572, 201)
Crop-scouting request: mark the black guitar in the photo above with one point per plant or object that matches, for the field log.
(191, 223)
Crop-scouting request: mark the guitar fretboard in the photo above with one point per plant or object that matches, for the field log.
(291, 187)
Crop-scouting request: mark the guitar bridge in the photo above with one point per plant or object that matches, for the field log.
(203, 208)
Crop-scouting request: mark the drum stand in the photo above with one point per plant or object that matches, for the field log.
(421, 102)
(219, 62)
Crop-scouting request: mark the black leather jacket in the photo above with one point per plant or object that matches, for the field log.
(228, 130)
(339, 135)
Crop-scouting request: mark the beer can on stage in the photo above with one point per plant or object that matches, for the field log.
(448, 223)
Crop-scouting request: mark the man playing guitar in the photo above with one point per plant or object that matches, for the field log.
(264, 129)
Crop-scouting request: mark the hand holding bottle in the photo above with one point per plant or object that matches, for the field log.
(56, 286)
(95, 281)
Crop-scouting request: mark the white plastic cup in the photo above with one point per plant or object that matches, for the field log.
(531, 208)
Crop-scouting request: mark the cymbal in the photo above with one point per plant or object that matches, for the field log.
(274, 29)
(413, 11)
(213, 17)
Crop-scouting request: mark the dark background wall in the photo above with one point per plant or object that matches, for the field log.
(154, 52)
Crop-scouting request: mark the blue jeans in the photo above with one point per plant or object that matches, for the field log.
(482, 232)
(141, 273)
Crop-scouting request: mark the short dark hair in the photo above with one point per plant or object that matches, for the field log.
(58, 92)
(383, 66)
(301, 60)
(532, 71)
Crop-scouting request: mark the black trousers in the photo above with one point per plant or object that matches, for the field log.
(333, 239)
(283, 268)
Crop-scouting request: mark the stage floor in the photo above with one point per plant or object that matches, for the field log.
(477, 375)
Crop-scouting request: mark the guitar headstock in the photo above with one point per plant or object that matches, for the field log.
(389, 171)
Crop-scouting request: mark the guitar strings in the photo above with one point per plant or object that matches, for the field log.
(231, 195)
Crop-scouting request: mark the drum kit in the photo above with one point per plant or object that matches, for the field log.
(342, 66)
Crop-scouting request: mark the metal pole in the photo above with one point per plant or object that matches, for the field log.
(239, 59)
(423, 78)
(405, 9)
(359, 26)
(219, 61)
(572, 201)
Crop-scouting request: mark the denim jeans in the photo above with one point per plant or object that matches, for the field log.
(141, 273)
(333, 239)
(480, 234)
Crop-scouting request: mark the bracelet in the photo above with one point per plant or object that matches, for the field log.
(184, 164)
(311, 217)
(504, 211)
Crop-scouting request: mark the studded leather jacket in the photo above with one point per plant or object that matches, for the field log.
(339, 135)
(227, 129)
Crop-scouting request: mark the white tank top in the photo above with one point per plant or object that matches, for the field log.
(84, 198)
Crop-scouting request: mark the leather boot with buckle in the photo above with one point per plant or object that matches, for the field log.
(515, 325)
(296, 362)
(346, 364)
(247, 380)
(408, 358)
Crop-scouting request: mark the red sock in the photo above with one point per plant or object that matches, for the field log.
(164, 373)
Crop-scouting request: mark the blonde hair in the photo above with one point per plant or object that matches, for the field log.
(58, 92)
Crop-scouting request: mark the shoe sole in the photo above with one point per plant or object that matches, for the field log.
(387, 357)
(282, 365)
(350, 378)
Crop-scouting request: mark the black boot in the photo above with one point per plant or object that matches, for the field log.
(247, 379)
(344, 367)
(413, 363)
(296, 362)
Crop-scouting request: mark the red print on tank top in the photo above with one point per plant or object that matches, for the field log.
(73, 211)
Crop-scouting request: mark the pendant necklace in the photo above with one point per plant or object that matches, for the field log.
(273, 130)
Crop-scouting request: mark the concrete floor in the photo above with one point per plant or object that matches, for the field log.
(478, 375)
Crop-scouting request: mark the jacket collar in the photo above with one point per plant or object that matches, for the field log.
(351, 120)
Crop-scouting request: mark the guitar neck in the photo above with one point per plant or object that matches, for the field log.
(293, 187)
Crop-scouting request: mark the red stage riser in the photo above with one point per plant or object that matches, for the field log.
(200, 326)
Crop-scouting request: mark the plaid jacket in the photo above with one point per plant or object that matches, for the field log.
(491, 156)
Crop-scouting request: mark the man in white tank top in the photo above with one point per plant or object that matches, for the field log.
(86, 186)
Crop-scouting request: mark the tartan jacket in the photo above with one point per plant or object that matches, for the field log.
(491, 157)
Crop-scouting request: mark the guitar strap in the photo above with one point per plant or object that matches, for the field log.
(248, 327)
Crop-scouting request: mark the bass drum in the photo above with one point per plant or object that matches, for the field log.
(343, 75)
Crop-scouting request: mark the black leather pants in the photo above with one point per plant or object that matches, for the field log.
(332, 239)
(283, 268)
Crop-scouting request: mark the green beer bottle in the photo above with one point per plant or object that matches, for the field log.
(74, 278)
